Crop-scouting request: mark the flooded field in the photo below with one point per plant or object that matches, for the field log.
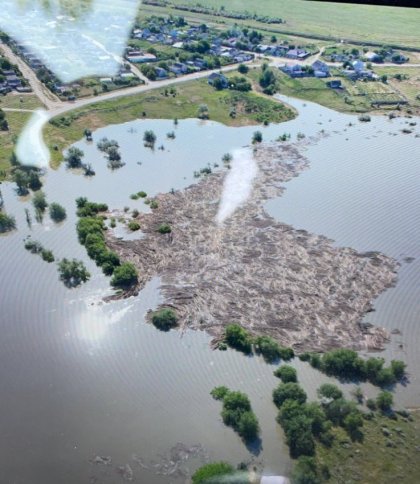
(91, 385)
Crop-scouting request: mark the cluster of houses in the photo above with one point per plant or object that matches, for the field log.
(236, 48)
(354, 71)
(65, 90)
(384, 55)
(10, 80)
(317, 69)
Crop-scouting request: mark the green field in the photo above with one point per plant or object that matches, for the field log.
(20, 101)
(409, 87)
(8, 138)
(250, 108)
(383, 25)
(379, 458)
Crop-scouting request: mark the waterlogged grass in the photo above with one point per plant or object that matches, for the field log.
(250, 108)
(384, 25)
(379, 458)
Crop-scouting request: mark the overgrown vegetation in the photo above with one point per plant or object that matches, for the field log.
(7, 222)
(90, 230)
(237, 413)
(36, 247)
(240, 339)
(348, 365)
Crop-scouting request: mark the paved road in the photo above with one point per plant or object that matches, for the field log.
(130, 91)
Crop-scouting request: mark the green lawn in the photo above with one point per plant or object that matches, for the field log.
(250, 108)
(384, 25)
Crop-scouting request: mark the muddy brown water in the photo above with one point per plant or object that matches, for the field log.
(82, 379)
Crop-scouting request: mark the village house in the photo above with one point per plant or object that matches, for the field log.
(298, 54)
(178, 68)
(161, 73)
(320, 69)
(293, 70)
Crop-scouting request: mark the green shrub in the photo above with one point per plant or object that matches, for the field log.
(237, 413)
(268, 347)
(219, 393)
(72, 272)
(384, 401)
(124, 276)
(164, 229)
(212, 473)
(47, 255)
(57, 212)
(133, 225)
(288, 391)
(286, 373)
(7, 222)
(306, 471)
(164, 319)
(39, 201)
(238, 338)
(329, 391)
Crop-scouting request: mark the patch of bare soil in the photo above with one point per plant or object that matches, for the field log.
(272, 279)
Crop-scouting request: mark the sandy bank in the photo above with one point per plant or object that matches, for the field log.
(265, 275)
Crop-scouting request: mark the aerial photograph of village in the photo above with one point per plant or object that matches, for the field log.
(209, 242)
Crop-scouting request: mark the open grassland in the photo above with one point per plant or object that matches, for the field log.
(20, 101)
(409, 87)
(315, 90)
(383, 25)
(250, 108)
(379, 458)
(8, 138)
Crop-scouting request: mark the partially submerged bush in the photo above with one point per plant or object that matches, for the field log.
(57, 212)
(124, 276)
(286, 373)
(72, 272)
(164, 319)
(238, 338)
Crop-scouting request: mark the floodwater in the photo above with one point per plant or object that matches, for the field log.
(82, 379)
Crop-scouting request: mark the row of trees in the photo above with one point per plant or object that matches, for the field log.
(348, 365)
(237, 413)
(240, 339)
(90, 230)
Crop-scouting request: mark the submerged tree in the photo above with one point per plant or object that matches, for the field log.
(57, 212)
(74, 157)
(149, 138)
(72, 272)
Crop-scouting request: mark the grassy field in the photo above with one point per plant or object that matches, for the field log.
(8, 138)
(384, 25)
(20, 101)
(409, 87)
(250, 108)
(315, 90)
(379, 458)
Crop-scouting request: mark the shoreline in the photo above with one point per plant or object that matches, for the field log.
(253, 270)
